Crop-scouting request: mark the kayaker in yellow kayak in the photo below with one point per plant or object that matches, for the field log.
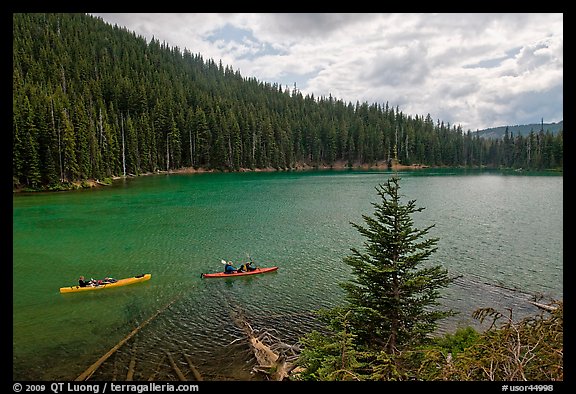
(85, 283)
(92, 282)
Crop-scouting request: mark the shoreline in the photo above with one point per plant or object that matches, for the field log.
(340, 165)
(305, 167)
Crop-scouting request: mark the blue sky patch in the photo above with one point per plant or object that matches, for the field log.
(495, 62)
(243, 37)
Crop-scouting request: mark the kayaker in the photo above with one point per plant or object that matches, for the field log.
(99, 282)
(84, 283)
(229, 268)
(246, 267)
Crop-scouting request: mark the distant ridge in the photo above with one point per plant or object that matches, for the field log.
(498, 132)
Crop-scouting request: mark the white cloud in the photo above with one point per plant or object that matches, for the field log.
(473, 70)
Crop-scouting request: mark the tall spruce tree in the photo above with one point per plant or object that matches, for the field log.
(391, 304)
(394, 294)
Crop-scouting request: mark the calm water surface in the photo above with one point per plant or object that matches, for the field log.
(499, 232)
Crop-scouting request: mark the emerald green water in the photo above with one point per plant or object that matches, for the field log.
(496, 230)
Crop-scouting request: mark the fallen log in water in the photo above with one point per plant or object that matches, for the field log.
(90, 371)
(130, 374)
(175, 367)
(549, 308)
(197, 375)
(271, 361)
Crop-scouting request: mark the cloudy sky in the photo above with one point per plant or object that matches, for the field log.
(473, 70)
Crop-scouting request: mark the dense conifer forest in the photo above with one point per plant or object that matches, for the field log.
(94, 101)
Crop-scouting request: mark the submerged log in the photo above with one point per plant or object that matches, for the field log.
(549, 308)
(264, 355)
(175, 367)
(130, 374)
(197, 375)
(270, 362)
(90, 371)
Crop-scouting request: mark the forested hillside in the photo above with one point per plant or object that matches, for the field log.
(91, 100)
(524, 130)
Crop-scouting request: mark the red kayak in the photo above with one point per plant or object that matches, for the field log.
(243, 273)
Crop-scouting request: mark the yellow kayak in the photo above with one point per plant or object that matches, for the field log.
(118, 283)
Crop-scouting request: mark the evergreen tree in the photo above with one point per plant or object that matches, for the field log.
(391, 302)
(393, 295)
(69, 161)
(202, 138)
(30, 156)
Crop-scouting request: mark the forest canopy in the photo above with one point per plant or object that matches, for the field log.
(94, 101)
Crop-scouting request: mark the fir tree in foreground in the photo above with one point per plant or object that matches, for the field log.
(393, 295)
(390, 303)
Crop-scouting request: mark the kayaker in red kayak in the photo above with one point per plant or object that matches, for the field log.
(229, 268)
(246, 267)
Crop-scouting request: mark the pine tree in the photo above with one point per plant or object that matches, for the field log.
(393, 295)
(201, 138)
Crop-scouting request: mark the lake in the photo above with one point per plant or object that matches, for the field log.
(501, 233)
